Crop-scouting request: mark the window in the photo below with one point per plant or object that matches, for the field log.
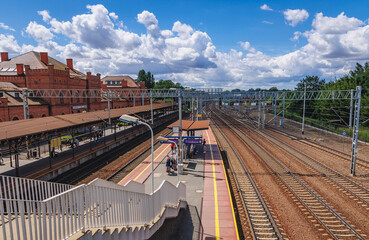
(61, 98)
(16, 95)
(1, 94)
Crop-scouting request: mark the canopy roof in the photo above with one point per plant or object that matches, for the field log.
(188, 125)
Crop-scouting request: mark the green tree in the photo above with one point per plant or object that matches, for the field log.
(167, 84)
(313, 83)
(148, 78)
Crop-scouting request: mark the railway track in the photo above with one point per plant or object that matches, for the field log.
(106, 163)
(349, 187)
(261, 224)
(333, 223)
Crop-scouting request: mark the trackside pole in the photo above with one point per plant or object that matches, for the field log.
(355, 135)
(351, 106)
(303, 111)
(152, 112)
(275, 110)
(284, 102)
(180, 164)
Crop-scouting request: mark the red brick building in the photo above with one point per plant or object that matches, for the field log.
(34, 70)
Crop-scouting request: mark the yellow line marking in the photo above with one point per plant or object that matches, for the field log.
(217, 234)
(229, 194)
(140, 165)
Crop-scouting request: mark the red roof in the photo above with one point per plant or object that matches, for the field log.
(188, 125)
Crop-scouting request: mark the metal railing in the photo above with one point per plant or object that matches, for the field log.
(99, 204)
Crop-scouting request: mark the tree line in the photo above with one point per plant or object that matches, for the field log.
(149, 80)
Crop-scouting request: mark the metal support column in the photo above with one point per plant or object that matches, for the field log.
(134, 101)
(263, 110)
(351, 106)
(197, 108)
(25, 104)
(152, 112)
(259, 108)
(180, 163)
(275, 110)
(109, 107)
(239, 105)
(143, 100)
(284, 104)
(355, 135)
(303, 111)
(192, 109)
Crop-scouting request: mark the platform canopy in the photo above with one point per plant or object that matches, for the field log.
(188, 125)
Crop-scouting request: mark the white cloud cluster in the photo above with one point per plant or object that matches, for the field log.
(247, 46)
(265, 7)
(39, 32)
(295, 16)
(98, 43)
(6, 27)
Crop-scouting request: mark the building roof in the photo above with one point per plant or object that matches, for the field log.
(9, 89)
(16, 129)
(188, 125)
(33, 59)
(130, 82)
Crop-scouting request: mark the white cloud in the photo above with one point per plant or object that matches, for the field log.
(247, 46)
(296, 36)
(295, 16)
(39, 32)
(188, 56)
(266, 8)
(45, 15)
(337, 25)
(113, 16)
(9, 44)
(267, 22)
(6, 27)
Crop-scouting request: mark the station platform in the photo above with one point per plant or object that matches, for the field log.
(210, 212)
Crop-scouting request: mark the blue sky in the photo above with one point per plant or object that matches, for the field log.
(226, 44)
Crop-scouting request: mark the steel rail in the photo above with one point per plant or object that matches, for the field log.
(356, 189)
(303, 192)
(247, 205)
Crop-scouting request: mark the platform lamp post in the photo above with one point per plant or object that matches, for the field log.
(161, 138)
(130, 119)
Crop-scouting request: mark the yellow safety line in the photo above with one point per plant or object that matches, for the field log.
(229, 194)
(140, 165)
(215, 192)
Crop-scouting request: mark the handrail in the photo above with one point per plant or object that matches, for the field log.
(99, 204)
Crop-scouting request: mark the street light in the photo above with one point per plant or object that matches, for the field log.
(130, 119)
(161, 138)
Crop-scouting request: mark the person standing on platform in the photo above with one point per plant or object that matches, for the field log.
(203, 145)
(172, 146)
(1, 158)
(168, 165)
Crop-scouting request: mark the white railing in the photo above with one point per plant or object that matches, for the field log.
(29, 189)
(99, 204)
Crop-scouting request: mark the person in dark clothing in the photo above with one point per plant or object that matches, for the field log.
(203, 145)
(168, 164)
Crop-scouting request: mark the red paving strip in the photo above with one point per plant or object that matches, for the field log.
(218, 218)
(143, 171)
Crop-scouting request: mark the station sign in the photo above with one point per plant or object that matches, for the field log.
(192, 141)
(199, 115)
(175, 129)
(171, 139)
(79, 107)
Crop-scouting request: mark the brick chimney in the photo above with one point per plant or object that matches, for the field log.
(142, 85)
(20, 70)
(44, 58)
(4, 56)
(124, 84)
(70, 63)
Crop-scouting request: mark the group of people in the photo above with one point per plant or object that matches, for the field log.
(171, 164)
